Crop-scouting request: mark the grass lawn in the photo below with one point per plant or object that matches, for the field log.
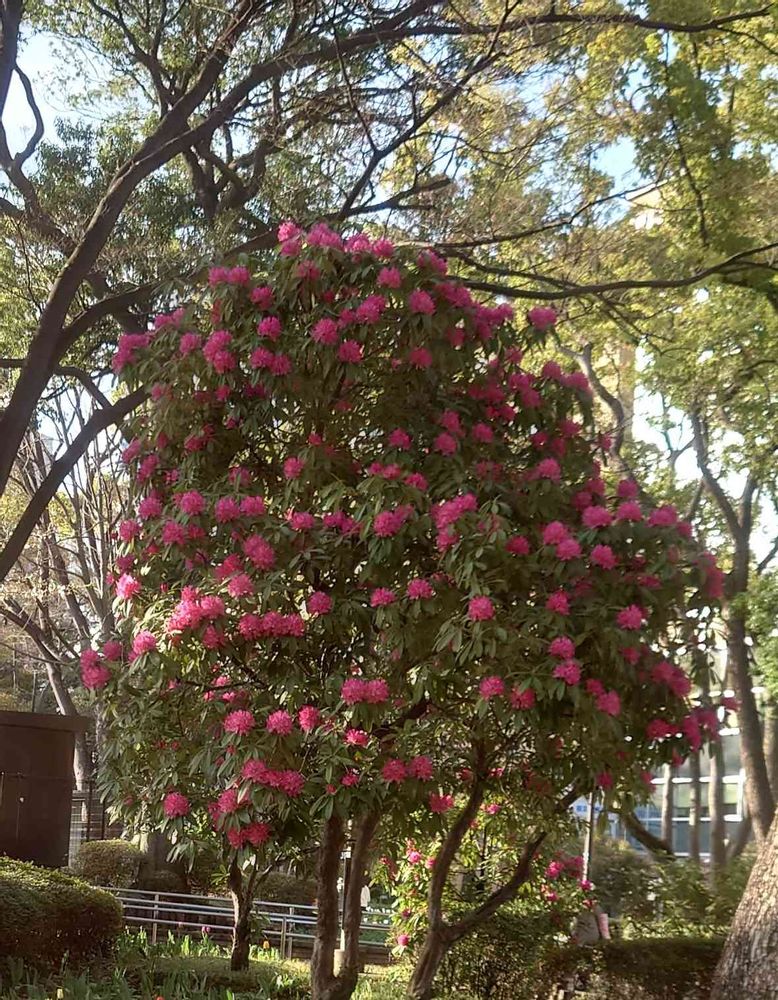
(183, 969)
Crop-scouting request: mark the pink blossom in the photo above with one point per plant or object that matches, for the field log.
(421, 302)
(389, 277)
(319, 603)
(308, 718)
(293, 467)
(175, 804)
(394, 771)
(522, 700)
(279, 722)
(357, 737)
(555, 532)
(376, 691)
(191, 503)
(241, 585)
(262, 296)
(414, 856)
(128, 530)
(480, 609)
(663, 517)
(558, 603)
(629, 511)
(569, 672)
(173, 533)
(596, 517)
(491, 687)
(518, 546)
(421, 768)
(548, 468)
(419, 590)
(602, 556)
(416, 480)
(420, 357)
(113, 651)
(441, 803)
(260, 552)
(188, 343)
(149, 507)
(301, 520)
(609, 702)
(144, 642)
(542, 317)
(562, 647)
(226, 509)
(568, 549)
(127, 587)
(382, 596)
(252, 506)
(403, 940)
(350, 351)
(400, 439)
(270, 327)
(326, 332)
(353, 690)
(239, 722)
(630, 618)
(445, 444)
(94, 675)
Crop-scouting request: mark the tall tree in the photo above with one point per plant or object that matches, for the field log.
(230, 115)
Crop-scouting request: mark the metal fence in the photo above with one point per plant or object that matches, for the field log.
(88, 820)
(288, 927)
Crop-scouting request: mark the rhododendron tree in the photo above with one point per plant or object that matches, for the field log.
(373, 570)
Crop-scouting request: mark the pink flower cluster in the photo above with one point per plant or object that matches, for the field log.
(272, 624)
(396, 770)
(291, 783)
(356, 690)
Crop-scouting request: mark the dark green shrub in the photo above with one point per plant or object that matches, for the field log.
(108, 862)
(46, 914)
(651, 969)
(279, 888)
(163, 880)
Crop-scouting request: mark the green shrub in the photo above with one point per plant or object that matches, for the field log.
(689, 900)
(279, 888)
(163, 880)
(46, 914)
(651, 969)
(108, 862)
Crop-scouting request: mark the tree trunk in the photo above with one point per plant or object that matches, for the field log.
(770, 743)
(694, 807)
(749, 963)
(241, 895)
(718, 855)
(667, 806)
(432, 953)
(82, 765)
(760, 798)
(324, 944)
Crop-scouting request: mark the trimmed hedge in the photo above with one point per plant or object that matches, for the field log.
(46, 915)
(514, 957)
(108, 862)
(642, 969)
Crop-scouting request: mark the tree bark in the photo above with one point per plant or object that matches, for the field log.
(241, 895)
(749, 963)
(433, 951)
(760, 798)
(323, 957)
(667, 806)
(694, 807)
(718, 855)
